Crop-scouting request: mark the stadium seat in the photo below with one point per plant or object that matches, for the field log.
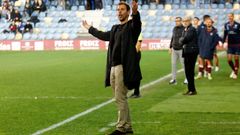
(214, 6)
(26, 36)
(74, 8)
(229, 6)
(221, 6)
(81, 8)
(153, 6)
(145, 7)
(160, 7)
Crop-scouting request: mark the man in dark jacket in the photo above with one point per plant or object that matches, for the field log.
(176, 49)
(123, 71)
(207, 40)
(190, 52)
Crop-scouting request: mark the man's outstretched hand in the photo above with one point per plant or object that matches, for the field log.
(86, 25)
(134, 7)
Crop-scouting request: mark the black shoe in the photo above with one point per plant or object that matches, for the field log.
(129, 132)
(186, 93)
(117, 132)
(135, 96)
(191, 93)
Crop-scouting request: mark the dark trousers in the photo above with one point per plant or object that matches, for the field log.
(189, 65)
(137, 89)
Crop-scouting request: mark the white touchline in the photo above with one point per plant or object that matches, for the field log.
(96, 107)
(99, 106)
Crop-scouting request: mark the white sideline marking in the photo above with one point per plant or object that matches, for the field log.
(222, 122)
(96, 107)
(47, 97)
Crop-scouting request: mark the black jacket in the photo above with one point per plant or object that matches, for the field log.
(177, 33)
(189, 40)
(129, 58)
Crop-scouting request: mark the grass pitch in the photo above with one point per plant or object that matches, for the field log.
(38, 89)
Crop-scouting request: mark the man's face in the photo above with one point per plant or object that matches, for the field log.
(195, 21)
(186, 23)
(209, 23)
(230, 17)
(178, 22)
(122, 13)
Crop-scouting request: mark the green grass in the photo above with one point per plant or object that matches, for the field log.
(162, 110)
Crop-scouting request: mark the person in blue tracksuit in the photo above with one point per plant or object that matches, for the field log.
(207, 41)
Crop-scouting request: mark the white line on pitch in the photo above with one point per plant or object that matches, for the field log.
(97, 107)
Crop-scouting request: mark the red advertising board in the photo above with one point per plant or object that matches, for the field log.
(78, 44)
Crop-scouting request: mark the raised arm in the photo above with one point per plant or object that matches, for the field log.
(96, 33)
(136, 20)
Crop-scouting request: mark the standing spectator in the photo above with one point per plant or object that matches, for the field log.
(232, 39)
(5, 13)
(196, 21)
(122, 71)
(136, 93)
(201, 63)
(175, 49)
(189, 41)
(39, 6)
(28, 8)
(208, 40)
(98, 4)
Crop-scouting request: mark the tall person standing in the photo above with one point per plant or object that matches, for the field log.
(122, 70)
(175, 49)
(232, 40)
(189, 41)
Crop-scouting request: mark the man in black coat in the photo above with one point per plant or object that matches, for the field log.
(122, 70)
(189, 41)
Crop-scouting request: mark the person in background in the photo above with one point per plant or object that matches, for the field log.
(201, 62)
(175, 49)
(195, 22)
(27, 8)
(28, 27)
(136, 93)
(208, 39)
(231, 40)
(189, 41)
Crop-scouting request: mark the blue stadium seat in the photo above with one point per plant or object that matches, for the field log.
(81, 8)
(221, 6)
(27, 36)
(74, 8)
(214, 6)
(175, 6)
(153, 6)
(145, 7)
(160, 7)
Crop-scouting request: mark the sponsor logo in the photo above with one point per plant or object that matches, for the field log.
(5, 47)
(27, 46)
(163, 44)
(89, 44)
(63, 45)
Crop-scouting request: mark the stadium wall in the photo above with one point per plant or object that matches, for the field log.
(78, 44)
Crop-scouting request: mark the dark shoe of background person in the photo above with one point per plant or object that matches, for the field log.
(135, 96)
(117, 132)
(191, 93)
(186, 93)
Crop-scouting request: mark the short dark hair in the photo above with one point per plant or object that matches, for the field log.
(180, 18)
(196, 18)
(124, 3)
(231, 13)
(206, 16)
